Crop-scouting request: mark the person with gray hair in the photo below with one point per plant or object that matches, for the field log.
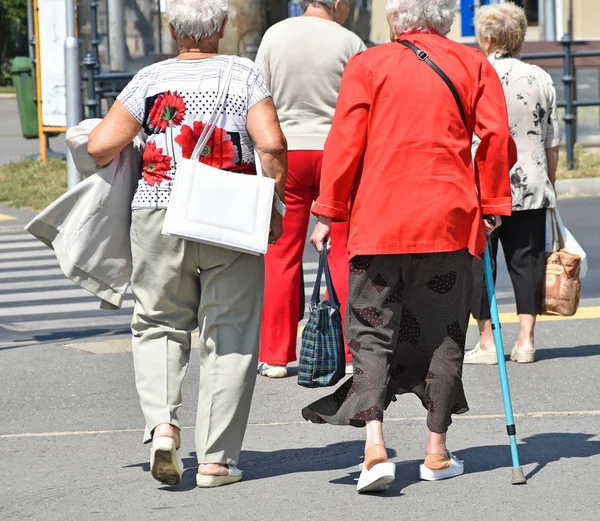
(533, 118)
(302, 60)
(398, 166)
(180, 285)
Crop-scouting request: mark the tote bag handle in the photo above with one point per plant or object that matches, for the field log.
(218, 110)
(324, 267)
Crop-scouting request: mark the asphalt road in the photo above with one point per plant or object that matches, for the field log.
(70, 435)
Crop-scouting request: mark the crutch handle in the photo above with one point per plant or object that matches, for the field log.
(490, 219)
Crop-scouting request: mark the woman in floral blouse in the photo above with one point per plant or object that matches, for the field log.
(180, 285)
(532, 115)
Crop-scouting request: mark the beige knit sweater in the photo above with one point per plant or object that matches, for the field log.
(302, 60)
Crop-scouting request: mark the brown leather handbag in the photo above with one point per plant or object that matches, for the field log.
(562, 287)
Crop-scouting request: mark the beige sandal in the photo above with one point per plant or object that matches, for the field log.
(522, 357)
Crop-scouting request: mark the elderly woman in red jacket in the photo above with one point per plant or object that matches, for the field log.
(400, 151)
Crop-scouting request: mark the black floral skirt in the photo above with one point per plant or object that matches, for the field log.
(406, 326)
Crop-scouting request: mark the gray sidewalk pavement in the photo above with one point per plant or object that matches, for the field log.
(13, 147)
(70, 445)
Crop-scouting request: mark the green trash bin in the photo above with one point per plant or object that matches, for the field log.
(23, 80)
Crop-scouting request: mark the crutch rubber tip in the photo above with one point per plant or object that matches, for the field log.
(518, 478)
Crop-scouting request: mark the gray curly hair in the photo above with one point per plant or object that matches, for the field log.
(197, 19)
(329, 4)
(428, 16)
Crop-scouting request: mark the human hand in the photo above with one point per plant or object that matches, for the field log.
(491, 222)
(276, 227)
(321, 233)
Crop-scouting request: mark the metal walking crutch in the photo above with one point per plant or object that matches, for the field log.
(518, 478)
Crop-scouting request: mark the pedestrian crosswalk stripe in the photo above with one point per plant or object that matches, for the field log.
(16, 237)
(31, 274)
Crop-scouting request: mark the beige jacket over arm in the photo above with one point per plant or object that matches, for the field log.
(88, 227)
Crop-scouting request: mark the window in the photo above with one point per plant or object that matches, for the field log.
(532, 10)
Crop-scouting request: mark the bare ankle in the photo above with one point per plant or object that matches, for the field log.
(213, 469)
(166, 430)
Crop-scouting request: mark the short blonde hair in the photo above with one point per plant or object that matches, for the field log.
(504, 24)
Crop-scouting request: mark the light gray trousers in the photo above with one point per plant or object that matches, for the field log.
(178, 286)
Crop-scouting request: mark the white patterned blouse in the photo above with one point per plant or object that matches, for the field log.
(533, 118)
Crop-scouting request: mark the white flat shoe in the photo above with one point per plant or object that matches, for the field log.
(522, 357)
(478, 356)
(377, 478)
(456, 468)
(165, 462)
(204, 481)
(272, 371)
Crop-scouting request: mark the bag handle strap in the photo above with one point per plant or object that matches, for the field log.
(218, 110)
(424, 57)
(324, 268)
(557, 236)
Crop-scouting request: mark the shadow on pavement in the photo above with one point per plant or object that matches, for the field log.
(568, 352)
(65, 336)
(540, 449)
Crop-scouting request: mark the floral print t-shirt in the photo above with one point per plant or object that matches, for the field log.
(173, 100)
(533, 119)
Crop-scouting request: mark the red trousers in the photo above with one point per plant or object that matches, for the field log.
(283, 261)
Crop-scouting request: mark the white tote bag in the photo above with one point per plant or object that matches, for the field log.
(570, 243)
(217, 207)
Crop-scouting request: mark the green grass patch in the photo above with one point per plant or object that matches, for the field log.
(32, 184)
(7, 90)
(587, 164)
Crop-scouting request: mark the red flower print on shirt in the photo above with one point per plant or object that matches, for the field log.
(245, 168)
(219, 152)
(156, 165)
(168, 110)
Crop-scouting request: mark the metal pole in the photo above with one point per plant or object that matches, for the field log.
(30, 29)
(91, 102)
(568, 80)
(550, 20)
(116, 35)
(95, 41)
(73, 85)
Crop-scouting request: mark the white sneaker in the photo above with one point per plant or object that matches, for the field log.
(522, 357)
(272, 371)
(165, 462)
(480, 356)
(349, 369)
(456, 468)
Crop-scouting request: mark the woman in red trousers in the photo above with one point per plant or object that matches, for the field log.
(302, 60)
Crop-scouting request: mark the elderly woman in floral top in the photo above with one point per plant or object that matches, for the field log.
(179, 285)
(532, 115)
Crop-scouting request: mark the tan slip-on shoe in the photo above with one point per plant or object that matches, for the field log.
(438, 466)
(522, 357)
(165, 462)
(479, 356)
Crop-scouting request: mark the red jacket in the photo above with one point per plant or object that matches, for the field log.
(400, 156)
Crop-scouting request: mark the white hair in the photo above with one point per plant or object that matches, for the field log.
(329, 4)
(427, 16)
(196, 19)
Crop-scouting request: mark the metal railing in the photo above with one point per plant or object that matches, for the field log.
(108, 84)
(570, 102)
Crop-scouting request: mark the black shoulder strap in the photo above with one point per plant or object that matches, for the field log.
(423, 56)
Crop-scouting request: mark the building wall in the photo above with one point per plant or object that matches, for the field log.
(586, 23)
